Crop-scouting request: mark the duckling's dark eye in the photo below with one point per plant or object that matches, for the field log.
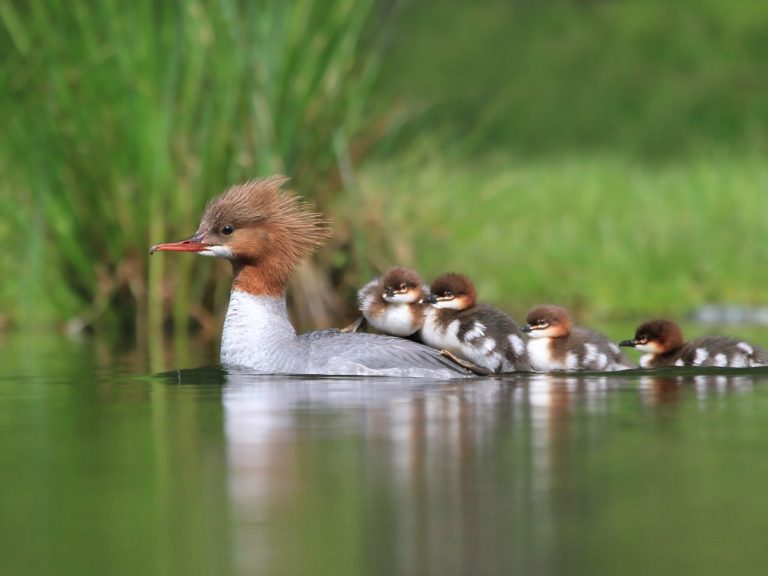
(402, 287)
(227, 230)
(448, 294)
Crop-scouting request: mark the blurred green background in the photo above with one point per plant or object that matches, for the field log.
(607, 156)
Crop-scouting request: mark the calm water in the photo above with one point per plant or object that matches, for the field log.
(205, 472)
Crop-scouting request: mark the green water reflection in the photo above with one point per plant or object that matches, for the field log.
(204, 472)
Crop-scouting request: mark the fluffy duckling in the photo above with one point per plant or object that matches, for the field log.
(392, 303)
(478, 333)
(556, 344)
(663, 344)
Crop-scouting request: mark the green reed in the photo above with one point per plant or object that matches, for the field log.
(122, 119)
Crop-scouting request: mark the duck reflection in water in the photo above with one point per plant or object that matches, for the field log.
(482, 461)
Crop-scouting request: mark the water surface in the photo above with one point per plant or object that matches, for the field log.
(103, 471)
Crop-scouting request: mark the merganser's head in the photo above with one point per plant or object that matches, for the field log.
(452, 291)
(547, 322)
(401, 285)
(656, 337)
(256, 224)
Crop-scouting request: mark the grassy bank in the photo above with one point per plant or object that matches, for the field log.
(604, 235)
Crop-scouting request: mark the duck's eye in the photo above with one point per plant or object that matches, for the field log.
(403, 287)
(448, 294)
(227, 230)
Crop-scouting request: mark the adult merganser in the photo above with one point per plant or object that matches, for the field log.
(556, 345)
(392, 303)
(264, 232)
(478, 333)
(663, 344)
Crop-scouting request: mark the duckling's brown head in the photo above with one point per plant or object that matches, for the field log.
(454, 291)
(656, 337)
(401, 285)
(547, 322)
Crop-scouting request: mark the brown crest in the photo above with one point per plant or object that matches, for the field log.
(273, 231)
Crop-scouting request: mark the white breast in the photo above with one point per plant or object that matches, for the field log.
(258, 334)
(439, 336)
(645, 360)
(540, 355)
(397, 319)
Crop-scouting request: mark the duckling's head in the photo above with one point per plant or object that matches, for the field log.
(453, 291)
(547, 322)
(401, 285)
(256, 224)
(656, 337)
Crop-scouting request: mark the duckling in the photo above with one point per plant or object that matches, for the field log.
(478, 333)
(663, 344)
(391, 303)
(556, 345)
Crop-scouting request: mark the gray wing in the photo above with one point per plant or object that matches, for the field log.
(736, 351)
(498, 323)
(334, 352)
(604, 343)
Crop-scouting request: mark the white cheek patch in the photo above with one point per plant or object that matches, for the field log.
(700, 356)
(548, 332)
(452, 304)
(406, 298)
(217, 252)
